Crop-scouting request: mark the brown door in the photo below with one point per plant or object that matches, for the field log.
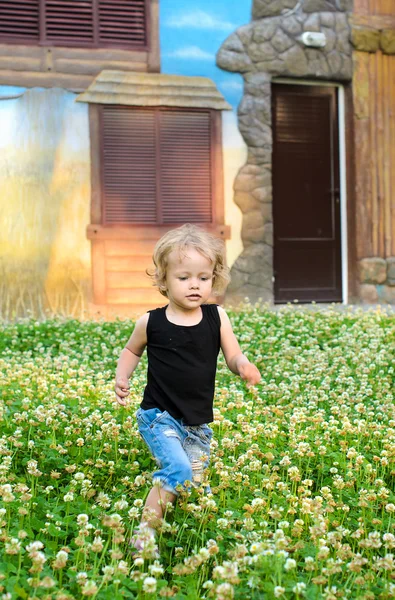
(306, 201)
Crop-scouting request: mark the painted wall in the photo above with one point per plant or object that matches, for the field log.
(44, 202)
(190, 35)
(45, 166)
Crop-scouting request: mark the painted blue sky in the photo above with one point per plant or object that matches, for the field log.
(191, 34)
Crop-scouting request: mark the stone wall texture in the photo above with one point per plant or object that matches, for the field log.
(377, 280)
(268, 47)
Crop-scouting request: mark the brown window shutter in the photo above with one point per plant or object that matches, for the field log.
(69, 21)
(129, 169)
(185, 166)
(19, 20)
(157, 166)
(122, 22)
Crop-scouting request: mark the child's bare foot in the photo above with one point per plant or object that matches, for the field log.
(144, 542)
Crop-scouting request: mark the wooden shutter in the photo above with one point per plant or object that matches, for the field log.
(122, 22)
(185, 166)
(157, 166)
(129, 165)
(69, 21)
(19, 20)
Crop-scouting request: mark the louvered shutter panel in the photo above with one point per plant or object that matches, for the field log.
(129, 170)
(19, 20)
(185, 166)
(122, 22)
(69, 21)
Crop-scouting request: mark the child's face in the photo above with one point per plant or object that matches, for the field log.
(189, 278)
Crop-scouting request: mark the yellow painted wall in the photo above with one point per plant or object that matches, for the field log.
(44, 203)
(235, 156)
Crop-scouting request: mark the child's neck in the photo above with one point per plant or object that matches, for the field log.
(183, 316)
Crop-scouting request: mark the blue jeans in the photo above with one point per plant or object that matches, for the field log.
(181, 451)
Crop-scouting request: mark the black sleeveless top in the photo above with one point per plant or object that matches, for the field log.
(182, 362)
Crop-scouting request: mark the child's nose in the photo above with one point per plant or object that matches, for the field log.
(194, 283)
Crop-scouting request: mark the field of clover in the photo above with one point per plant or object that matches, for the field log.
(302, 470)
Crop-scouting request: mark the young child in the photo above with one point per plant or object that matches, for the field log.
(183, 340)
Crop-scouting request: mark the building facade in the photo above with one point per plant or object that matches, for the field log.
(271, 124)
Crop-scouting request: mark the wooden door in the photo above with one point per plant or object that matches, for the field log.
(306, 196)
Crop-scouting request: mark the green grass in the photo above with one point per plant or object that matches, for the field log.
(302, 468)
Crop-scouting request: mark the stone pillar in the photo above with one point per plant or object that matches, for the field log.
(268, 47)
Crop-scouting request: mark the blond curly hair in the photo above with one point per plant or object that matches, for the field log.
(192, 236)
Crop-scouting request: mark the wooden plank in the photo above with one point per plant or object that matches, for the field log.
(373, 153)
(363, 182)
(372, 21)
(361, 7)
(141, 232)
(128, 263)
(128, 279)
(351, 193)
(94, 67)
(135, 296)
(391, 100)
(94, 131)
(217, 168)
(98, 272)
(380, 117)
(99, 54)
(74, 83)
(21, 50)
(129, 248)
(385, 7)
(361, 85)
(387, 84)
(21, 63)
(153, 62)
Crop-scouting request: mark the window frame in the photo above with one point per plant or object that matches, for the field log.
(43, 42)
(216, 162)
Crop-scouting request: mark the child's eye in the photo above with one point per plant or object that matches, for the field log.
(183, 278)
(204, 278)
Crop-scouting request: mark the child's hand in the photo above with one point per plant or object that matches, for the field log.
(249, 373)
(122, 391)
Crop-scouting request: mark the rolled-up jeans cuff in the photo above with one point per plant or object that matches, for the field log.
(165, 486)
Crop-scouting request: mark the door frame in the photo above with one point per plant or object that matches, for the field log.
(342, 170)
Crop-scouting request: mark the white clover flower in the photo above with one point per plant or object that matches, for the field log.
(149, 585)
(279, 591)
(133, 513)
(97, 544)
(121, 504)
(89, 588)
(82, 519)
(204, 554)
(299, 588)
(34, 546)
(156, 569)
(81, 577)
(207, 585)
(60, 560)
(79, 476)
(13, 547)
(225, 591)
(69, 497)
(290, 564)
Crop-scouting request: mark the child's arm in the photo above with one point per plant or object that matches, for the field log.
(130, 358)
(237, 362)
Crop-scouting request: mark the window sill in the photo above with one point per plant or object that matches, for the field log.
(146, 232)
